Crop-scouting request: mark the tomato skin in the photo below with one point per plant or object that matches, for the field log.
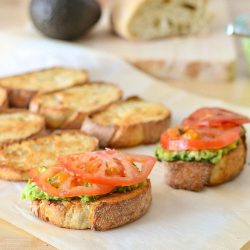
(70, 186)
(109, 167)
(215, 117)
(210, 138)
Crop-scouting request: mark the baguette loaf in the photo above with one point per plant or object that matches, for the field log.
(108, 212)
(68, 108)
(21, 88)
(3, 98)
(128, 123)
(17, 125)
(149, 19)
(195, 176)
(17, 159)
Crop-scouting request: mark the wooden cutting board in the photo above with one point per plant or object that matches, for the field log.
(209, 57)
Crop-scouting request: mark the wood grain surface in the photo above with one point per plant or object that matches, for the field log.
(13, 16)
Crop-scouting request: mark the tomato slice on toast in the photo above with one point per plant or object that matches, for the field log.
(199, 138)
(55, 182)
(109, 167)
(215, 117)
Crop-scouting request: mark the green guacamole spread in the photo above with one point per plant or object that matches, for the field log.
(212, 156)
(33, 192)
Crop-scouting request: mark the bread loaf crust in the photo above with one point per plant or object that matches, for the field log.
(153, 19)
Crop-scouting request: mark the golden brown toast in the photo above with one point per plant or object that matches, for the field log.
(17, 159)
(108, 212)
(21, 88)
(68, 108)
(17, 125)
(128, 123)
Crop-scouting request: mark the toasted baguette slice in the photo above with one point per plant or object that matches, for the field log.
(21, 88)
(3, 98)
(17, 159)
(150, 19)
(17, 125)
(108, 212)
(128, 123)
(195, 176)
(68, 108)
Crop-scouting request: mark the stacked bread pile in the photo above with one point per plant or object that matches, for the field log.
(58, 111)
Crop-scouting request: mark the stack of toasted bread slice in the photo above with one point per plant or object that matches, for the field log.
(69, 107)
(3, 98)
(21, 88)
(17, 125)
(60, 98)
(17, 159)
(128, 123)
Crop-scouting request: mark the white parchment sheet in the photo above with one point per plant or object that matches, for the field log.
(217, 218)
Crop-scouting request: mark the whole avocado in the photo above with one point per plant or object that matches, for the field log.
(64, 19)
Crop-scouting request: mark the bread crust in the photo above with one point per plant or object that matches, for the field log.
(65, 117)
(13, 170)
(127, 135)
(40, 130)
(20, 98)
(195, 176)
(108, 212)
(3, 98)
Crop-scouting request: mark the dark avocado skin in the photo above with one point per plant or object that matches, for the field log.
(64, 19)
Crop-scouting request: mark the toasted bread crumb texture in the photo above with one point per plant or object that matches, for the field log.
(109, 212)
(131, 112)
(20, 125)
(86, 98)
(44, 151)
(46, 80)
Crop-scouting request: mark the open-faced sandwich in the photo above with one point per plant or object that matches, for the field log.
(98, 190)
(207, 149)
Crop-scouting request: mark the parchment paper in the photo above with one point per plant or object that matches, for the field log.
(217, 218)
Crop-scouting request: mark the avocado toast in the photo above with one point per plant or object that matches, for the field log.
(97, 190)
(207, 149)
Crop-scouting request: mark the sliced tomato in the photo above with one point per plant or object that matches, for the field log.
(109, 167)
(215, 117)
(55, 182)
(200, 138)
